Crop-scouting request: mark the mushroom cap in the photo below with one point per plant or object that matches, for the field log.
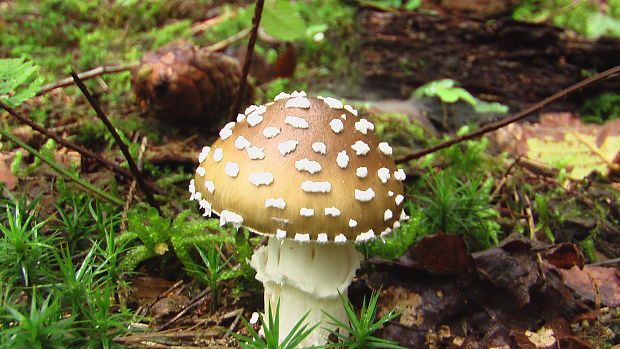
(304, 169)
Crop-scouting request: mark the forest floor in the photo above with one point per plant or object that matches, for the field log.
(513, 240)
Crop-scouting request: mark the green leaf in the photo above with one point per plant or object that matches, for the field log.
(18, 81)
(281, 19)
(453, 94)
(600, 24)
(412, 4)
(486, 107)
(430, 89)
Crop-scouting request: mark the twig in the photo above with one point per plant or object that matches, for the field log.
(609, 261)
(258, 10)
(132, 165)
(85, 152)
(228, 41)
(530, 217)
(132, 186)
(516, 117)
(505, 175)
(61, 170)
(106, 69)
(233, 325)
(198, 300)
(200, 27)
(165, 293)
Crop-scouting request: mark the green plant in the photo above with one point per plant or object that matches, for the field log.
(361, 328)
(465, 158)
(213, 270)
(455, 206)
(601, 108)
(25, 253)
(18, 81)
(156, 233)
(590, 18)
(391, 5)
(545, 215)
(71, 222)
(396, 128)
(448, 92)
(271, 331)
(44, 325)
(399, 241)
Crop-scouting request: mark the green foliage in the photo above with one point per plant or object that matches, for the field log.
(456, 206)
(544, 215)
(157, 233)
(271, 329)
(399, 241)
(397, 128)
(601, 108)
(464, 158)
(591, 18)
(448, 92)
(25, 253)
(70, 303)
(42, 326)
(18, 81)
(361, 328)
(213, 270)
(168, 33)
(282, 20)
(454, 199)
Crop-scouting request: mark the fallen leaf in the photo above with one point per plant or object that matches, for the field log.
(442, 254)
(562, 140)
(148, 288)
(584, 283)
(169, 305)
(564, 255)
(510, 266)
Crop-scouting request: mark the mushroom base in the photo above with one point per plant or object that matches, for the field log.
(306, 277)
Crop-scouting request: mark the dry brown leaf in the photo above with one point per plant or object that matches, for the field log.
(594, 283)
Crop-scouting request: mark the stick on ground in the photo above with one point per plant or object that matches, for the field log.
(516, 117)
(132, 164)
(114, 167)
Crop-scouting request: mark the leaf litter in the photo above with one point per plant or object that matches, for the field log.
(521, 291)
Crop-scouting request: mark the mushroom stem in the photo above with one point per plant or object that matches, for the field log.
(306, 277)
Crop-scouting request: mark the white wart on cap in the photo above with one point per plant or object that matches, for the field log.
(300, 155)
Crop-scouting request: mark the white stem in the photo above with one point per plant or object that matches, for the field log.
(306, 277)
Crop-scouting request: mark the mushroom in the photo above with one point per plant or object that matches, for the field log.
(313, 176)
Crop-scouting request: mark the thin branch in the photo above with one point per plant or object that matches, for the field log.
(196, 301)
(516, 117)
(258, 11)
(200, 27)
(228, 41)
(68, 144)
(86, 75)
(132, 165)
(61, 170)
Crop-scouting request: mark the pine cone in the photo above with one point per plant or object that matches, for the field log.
(180, 83)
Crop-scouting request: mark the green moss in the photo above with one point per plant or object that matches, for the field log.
(589, 18)
(601, 108)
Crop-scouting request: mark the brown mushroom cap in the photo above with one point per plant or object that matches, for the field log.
(301, 168)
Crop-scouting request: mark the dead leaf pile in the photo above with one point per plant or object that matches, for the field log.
(519, 294)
